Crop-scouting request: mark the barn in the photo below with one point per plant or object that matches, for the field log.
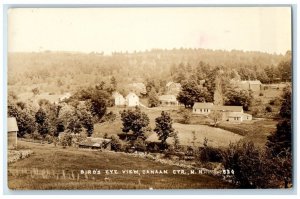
(12, 132)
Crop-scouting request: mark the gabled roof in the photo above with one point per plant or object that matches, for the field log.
(131, 94)
(235, 114)
(228, 108)
(170, 98)
(12, 124)
(176, 84)
(198, 105)
(117, 94)
(252, 82)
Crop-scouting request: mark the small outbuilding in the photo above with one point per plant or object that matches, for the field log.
(12, 132)
(96, 143)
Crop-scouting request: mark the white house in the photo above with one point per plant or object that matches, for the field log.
(119, 99)
(202, 108)
(132, 100)
(168, 100)
(229, 113)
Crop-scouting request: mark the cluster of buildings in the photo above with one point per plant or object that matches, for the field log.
(132, 99)
(228, 113)
(254, 85)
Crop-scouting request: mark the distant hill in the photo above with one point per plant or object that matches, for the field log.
(67, 71)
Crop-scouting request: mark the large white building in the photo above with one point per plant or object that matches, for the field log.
(119, 99)
(132, 100)
(229, 113)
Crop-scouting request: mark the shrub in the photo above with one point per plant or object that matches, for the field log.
(210, 154)
(49, 139)
(116, 144)
(66, 140)
(36, 136)
(246, 162)
(139, 145)
(153, 147)
(275, 102)
(268, 109)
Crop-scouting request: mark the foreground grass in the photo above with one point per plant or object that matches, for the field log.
(62, 164)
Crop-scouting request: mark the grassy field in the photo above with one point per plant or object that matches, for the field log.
(216, 137)
(52, 167)
(256, 131)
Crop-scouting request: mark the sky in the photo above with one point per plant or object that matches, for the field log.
(265, 29)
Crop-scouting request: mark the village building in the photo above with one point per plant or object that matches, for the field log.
(65, 96)
(132, 100)
(168, 100)
(202, 108)
(138, 88)
(12, 132)
(229, 113)
(119, 100)
(173, 88)
(95, 143)
(254, 85)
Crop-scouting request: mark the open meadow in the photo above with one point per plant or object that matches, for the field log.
(53, 168)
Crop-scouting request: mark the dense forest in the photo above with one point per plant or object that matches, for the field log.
(61, 72)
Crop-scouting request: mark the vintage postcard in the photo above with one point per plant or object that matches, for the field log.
(149, 98)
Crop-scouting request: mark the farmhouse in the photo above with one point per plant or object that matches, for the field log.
(138, 88)
(173, 88)
(168, 100)
(12, 131)
(118, 99)
(229, 113)
(132, 100)
(254, 85)
(96, 143)
(203, 108)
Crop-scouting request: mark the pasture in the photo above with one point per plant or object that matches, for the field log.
(52, 167)
(216, 137)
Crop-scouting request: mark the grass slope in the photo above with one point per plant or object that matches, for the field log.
(31, 173)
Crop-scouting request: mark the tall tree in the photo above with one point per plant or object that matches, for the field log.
(153, 100)
(235, 97)
(279, 143)
(135, 121)
(41, 119)
(191, 93)
(164, 127)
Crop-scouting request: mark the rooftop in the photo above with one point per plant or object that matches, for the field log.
(198, 105)
(167, 98)
(228, 108)
(12, 124)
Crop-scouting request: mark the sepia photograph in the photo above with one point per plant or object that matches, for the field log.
(149, 98)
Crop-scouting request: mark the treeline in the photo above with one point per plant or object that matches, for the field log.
(66, 71)
(77, 114)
